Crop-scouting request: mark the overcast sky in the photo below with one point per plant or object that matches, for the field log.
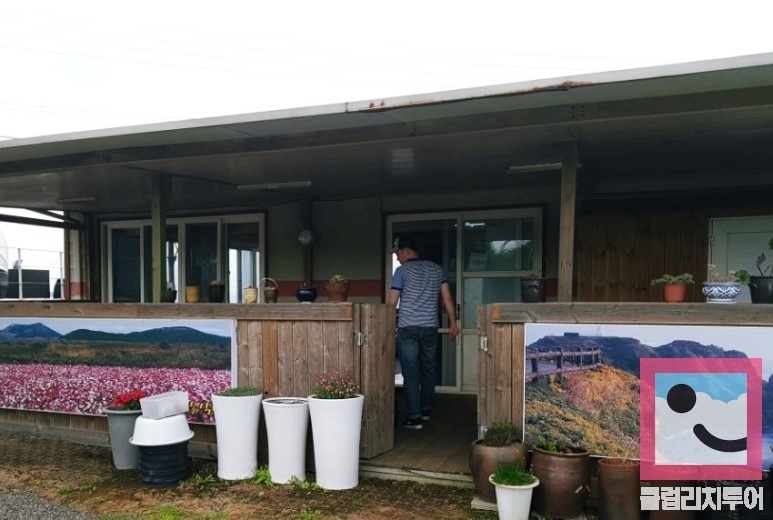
(81, 64)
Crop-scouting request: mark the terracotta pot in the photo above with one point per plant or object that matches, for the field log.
(619, 489)
(337, 292)
(484, 460)
(674, 292)
(564, 482)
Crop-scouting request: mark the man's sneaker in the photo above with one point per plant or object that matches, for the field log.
(413, 424)
(425, 415)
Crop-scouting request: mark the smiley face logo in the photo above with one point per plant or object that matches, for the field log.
(681, 399)
(700, 418)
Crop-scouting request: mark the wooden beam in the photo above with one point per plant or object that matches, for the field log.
(159, 189)
(566, 221)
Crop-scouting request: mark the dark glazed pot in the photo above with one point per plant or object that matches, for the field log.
(761, 289)
(484, 460)
(671, 514)
(531, 291)
(564, 482)
(216, 293)
(306, 294)
(619, 490)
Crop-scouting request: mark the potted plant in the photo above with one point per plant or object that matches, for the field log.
(121, 416)
(674, 287)
(761, 287)
(719, 288)
(237, 413)
(337, 288)
(564, 475)
(531, 287)
(216, 291)
(501, 444)
(619, 488)
(306, 293)
(336, 421)
(514, 486)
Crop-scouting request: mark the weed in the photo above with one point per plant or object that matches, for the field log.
(262, 477)
(167, 513)
(305, 485)
(201, 481)
(309, 514)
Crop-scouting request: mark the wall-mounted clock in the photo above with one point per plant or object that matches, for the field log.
(307, 237)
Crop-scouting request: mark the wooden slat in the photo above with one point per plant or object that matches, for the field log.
(299, 361)
(635, 313)
(284, 340)
(613, 248)
(599, 259)
(644, 291)
(230, 311)
(330, 354)
(316, 353)
(268, 340)
(517, 409)
(627, 250)
(502, 360)
(583, 262)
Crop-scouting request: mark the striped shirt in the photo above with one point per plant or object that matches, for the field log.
(419, 282)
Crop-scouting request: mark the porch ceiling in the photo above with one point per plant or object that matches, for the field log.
(708, 129)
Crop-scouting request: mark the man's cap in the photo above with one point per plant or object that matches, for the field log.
(402, 243)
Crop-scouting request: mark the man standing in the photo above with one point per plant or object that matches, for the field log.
(416, 284)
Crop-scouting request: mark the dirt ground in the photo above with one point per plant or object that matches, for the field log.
(84, 478)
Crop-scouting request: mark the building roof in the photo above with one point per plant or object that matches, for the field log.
(637, 131)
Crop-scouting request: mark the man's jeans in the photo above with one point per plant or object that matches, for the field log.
(417, 349)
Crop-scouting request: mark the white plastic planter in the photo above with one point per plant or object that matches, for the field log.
(336, 425)
(514, 502)
(164, 405)
(287, 422)
(236, 427)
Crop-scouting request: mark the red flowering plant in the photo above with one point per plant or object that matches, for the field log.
(334, 385)
(128, 400)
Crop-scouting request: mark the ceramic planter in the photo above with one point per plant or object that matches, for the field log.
(619, 489)
(564, 482)
(336, 425)
(484, 461)
(287, 422)
(120, 424)
(236, 427)
(761, 289)
(337, 292)
(721, 292)
(216, 293)
(531, 290)
(514, 502)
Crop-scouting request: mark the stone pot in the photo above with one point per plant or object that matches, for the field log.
(564, 481)
(531, 290)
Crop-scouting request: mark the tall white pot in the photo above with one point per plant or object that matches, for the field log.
(336, 425)
(287, 422)
(236, 426)
(514, 502)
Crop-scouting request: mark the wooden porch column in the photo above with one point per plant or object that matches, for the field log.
(159, 190)
(566, 223)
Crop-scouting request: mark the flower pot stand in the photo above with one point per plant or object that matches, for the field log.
(287, 422)
(336, 425)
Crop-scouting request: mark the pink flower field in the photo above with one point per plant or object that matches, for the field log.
(88, 389)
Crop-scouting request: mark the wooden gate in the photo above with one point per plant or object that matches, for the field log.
(285, 353)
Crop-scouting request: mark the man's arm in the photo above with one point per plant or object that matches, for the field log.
(450, 307)
(394, 296)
